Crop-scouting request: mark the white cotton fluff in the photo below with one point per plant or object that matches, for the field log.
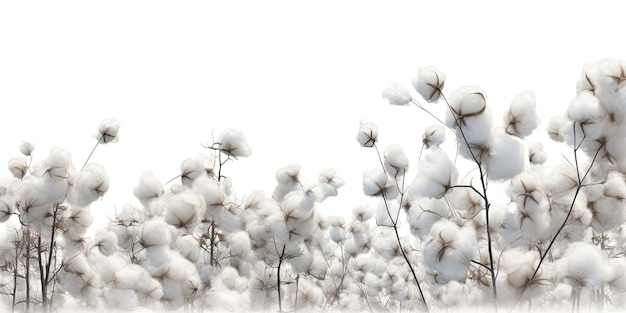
(319, 266)
(190, 169)
(609, 210)
(470, 116)
(337, 228)
(106, 241)
(184, 210)
(328, 186)
(368, 134)
(6, 209)
(31, 201)
(155, 232)
(429, 83)
(434, 136)
(395, 160)
(149, 188)
(589, 117)
(289, 174)
(123, 299)
(423, 213)
(188, 247)
(450, 250)
(128, 277)
(616, 149)
(387, 212)
(376, 183)
(26, 148)
(302, 261)
(605, 79)
(536, 154)
(436, 175)
(18, 167)
(233, 143)
(239, 244)
(555, 128)
(363, 212)
(618, 281)
(397, 94)
(88, 185)
(506, 157)
(108, 131)
(57, 165)
(583, 265)
(528, 191)
(522, 119)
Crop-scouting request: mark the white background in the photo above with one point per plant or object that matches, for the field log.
(297, 77)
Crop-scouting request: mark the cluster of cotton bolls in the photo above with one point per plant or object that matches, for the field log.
(550, 210)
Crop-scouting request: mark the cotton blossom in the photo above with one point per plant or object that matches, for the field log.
(429, 83)
(606, 79)
(522, 119)
(397, 94)
(368, 134)
(434, 136)
(106, 241)
(107, 131)
(555, 128)
(233, 143)
(328, 186)
(436, 175)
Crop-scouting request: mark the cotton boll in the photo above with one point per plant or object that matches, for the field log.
(395, 161)
(128, 277)
(184, 209)
(18, 167)
(88, 185)
(618, 281)
(449, 251)
(106, 241)
(528, 192)
(376, 183)
(188, 247)
(155, 232)
(470, 115)
(6, 209)
(302, 261)
(397, 94)
(57, 165)
(289, 174)
(328, 186)
(363, 212)
(337, 228)
(429, 83)
(609, 210)
(387, 212)
(583, 265)
(436, 175)
(108, 131)
(616, 151)
(589, 116)
(239, 243)
(536, 154)
(434, 136)
(506, 157)
(190, 169)
(522, 119)
(233, 143)
(319, 266)
(149, 188)
(605, 79)
(423, 213)
(556, 124)
(27, 148)
(368, 134)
